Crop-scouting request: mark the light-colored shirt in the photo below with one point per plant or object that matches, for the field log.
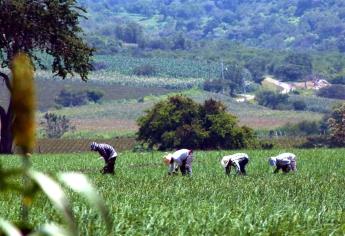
(282, 159)
(235, 160)
(106, 151)
(178, 157)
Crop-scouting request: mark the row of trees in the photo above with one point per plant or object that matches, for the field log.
(274, 24)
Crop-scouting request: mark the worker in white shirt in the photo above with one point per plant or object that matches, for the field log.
(237, 160)
(181, 159)
(285, 162)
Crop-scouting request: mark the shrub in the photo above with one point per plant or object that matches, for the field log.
(180, 122)
(71, 98)
(336, 125)
(94, 95)
(270, 98)
(213, 85)
(333, 91)
(145, 70)
(299, 105)
(56, 126)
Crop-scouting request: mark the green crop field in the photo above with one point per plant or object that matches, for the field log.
(143, 200)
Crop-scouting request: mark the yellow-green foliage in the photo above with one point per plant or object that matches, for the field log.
(23, 102)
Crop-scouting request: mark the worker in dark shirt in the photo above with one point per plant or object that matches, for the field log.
(108, 154)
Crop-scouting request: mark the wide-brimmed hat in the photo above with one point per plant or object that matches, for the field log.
(167, 158)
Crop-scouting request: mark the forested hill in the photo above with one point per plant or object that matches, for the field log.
(311, 24)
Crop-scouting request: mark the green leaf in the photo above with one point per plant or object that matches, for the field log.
(8, 228)
(57, 196)
(52, 230)
(80, 184)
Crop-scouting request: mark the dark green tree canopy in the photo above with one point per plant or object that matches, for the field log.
(336, 125)
(179, 122)
(45, 26)
(40, 27)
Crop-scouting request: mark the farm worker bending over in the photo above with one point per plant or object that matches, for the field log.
(237, 160)
(182, 159)
(108, 154)
(284, 161)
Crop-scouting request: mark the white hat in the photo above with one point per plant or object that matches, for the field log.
(272, 161)
(224, 163)
(167, 158)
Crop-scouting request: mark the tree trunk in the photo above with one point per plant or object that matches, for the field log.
(6, 138)
(6, 119)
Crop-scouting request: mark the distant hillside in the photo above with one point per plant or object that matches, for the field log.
(278, 24)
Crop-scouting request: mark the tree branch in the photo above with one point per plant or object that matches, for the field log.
(7, 81)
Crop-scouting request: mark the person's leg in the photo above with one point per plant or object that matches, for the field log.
(243, 166)
(286, 168)
(183, 169)
(110, 166)
(277, 169)
(189, 165)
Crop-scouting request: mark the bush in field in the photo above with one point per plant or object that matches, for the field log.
(56, 126)
(337, 126)
(303, 128)
(94, 95)
(213, 85)
(72, 98)
(299, 105)
(180, 122)
(333, 91)
(145, 70)
(270, 98)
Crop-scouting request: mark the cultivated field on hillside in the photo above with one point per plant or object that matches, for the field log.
(143, 200)
(120, 116)
(48, 88)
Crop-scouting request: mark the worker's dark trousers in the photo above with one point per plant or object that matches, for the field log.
(109, 168)
(186, 167)
(243, 164)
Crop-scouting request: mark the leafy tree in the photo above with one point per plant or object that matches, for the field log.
(337, 126)
(130, 32)
(56, 126)
(233, 75)
(270, 98)
(36, 28)
(180, 122)
(295, 67)
(257, 67)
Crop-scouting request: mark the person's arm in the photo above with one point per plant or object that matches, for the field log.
(237, 165)
(276, 170)
(227, 170)
(171, 168)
